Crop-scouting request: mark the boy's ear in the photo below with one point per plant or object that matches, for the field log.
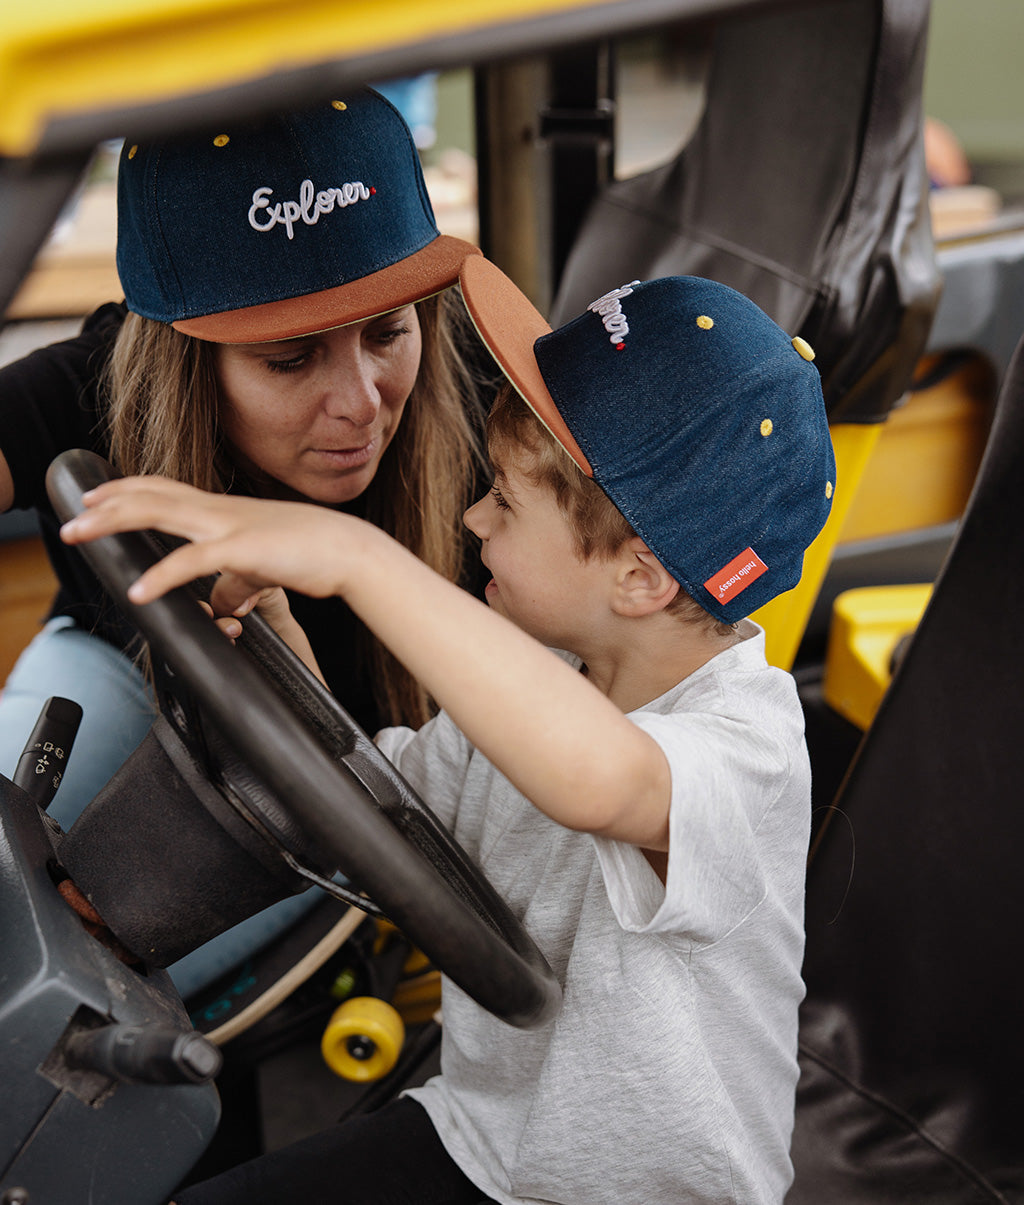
(643, 585)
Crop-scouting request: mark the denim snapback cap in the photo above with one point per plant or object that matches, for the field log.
(699, 417)
(299, 223)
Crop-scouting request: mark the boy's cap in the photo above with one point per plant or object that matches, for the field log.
(296, 224)
(700, 418)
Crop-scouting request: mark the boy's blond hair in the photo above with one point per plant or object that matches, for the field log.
(598, 527)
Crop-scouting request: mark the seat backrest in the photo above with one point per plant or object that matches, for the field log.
(803, 186)
(912, 1046)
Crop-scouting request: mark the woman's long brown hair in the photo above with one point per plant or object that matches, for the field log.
(163, 418)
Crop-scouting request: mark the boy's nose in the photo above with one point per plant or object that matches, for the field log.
(474, 517)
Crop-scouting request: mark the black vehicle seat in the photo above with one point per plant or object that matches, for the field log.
(912, 1049)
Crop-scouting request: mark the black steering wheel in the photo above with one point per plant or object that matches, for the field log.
(339, 789)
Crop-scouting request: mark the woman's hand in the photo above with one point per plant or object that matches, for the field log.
(272, 605)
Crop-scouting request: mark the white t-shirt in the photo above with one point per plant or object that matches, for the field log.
(669, 1073)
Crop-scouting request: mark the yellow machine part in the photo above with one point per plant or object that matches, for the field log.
(61, 57)
(417, 995)
(923, 467)
(913, 471)
(785, 617)
(867, 626)
(417, 999)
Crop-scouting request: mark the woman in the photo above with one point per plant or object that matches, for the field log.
(287, 335)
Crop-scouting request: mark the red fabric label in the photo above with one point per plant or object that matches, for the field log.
(736, 576)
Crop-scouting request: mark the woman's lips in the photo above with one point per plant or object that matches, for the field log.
(347, 458)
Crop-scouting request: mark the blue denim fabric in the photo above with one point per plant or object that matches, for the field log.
(117, 708)
(704, 425)
(197, 233)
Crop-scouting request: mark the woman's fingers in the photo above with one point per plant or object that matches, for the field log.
(230, 627)
(236, 594)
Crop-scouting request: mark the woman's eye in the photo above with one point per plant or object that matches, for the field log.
(391, 334)
(293, 364)
(499, 498)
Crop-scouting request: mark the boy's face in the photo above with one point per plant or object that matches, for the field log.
(539, 580)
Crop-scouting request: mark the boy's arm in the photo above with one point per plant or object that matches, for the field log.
(557, 738)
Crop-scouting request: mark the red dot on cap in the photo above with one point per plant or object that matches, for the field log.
(620, 347)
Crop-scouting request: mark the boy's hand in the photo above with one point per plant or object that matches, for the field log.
(253, 544)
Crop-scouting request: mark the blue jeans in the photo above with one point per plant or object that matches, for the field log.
(117, 711)
(117, 708)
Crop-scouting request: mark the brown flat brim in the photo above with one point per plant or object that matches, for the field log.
(509, 325)
(431, 270)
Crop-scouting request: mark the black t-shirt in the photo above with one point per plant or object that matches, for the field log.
(48, 403)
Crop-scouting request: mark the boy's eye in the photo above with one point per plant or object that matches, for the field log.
(499, 498)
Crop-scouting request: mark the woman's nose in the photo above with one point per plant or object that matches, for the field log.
(351, 392)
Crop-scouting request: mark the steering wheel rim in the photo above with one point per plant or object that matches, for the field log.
(356, 804)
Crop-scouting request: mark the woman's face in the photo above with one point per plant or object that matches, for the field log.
(311, 417)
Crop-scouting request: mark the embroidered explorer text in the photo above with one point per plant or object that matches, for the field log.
(609, 307)
(309, 207)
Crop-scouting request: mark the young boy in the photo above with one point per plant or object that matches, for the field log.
(641, 799)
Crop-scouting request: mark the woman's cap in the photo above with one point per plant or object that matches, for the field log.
(302, 222)
(699, 417)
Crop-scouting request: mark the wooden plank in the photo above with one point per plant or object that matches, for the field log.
(27, 587)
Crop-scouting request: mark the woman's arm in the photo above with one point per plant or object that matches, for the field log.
(6, 485)
(562, 742)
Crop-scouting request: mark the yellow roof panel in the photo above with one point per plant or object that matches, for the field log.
(61, 58)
